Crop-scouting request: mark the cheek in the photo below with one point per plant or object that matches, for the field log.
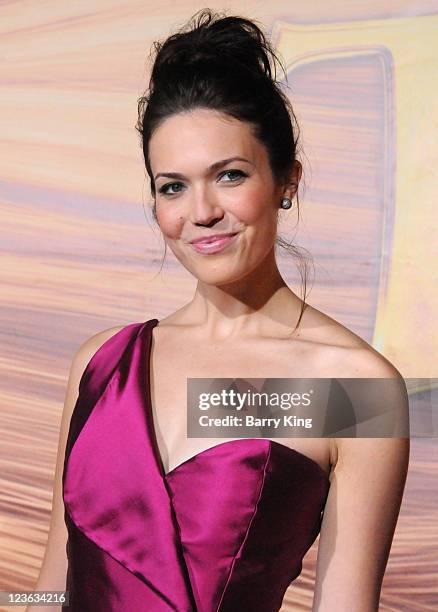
(255, 207)
(170, 222)
(260, 219)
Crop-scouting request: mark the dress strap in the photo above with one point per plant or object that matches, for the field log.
(97, 375)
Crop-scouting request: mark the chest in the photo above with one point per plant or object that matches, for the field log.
(172, 363)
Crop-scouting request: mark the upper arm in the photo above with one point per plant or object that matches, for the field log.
(54, 567)
(360, 516)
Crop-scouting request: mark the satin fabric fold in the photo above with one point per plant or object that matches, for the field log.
(224, 531)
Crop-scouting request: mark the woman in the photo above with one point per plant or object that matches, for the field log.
(159, 521)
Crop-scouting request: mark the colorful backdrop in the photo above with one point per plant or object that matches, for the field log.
(80, 251)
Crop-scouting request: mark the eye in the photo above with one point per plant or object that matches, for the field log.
(164, 188)
(239, 173)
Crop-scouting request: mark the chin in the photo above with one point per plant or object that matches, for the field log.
(214, 273)
(220, 277)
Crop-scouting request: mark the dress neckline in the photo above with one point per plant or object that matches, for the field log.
(146, 335)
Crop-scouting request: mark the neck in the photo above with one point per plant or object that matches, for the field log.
(259, 301)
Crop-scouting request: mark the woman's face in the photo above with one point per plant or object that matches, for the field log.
(199, 195)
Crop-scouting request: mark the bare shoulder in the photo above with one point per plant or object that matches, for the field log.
(341, 353)
(89, 347)
(345, 353)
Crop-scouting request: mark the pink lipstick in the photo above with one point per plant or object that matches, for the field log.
(213, 244)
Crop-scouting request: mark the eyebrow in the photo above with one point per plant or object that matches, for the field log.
(211, 168)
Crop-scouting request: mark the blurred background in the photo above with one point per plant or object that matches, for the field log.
(80, 251)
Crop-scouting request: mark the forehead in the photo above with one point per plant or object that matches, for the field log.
(201, 137)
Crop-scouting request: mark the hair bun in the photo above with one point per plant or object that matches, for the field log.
(185, 54)
(229, 43)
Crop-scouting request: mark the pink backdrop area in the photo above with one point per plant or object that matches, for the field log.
(80, 251)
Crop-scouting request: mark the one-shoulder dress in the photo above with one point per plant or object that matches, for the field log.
(225, 531)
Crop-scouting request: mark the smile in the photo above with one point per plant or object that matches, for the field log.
(213, 246)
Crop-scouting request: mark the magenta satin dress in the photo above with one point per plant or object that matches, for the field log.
(225, 531)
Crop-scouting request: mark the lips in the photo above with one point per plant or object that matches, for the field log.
(213, 244)
(214, 238)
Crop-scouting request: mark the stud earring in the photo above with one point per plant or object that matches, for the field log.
(286, 203)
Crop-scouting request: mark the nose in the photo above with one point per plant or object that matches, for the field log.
(205, 209)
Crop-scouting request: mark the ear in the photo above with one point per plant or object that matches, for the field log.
(293, 181)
